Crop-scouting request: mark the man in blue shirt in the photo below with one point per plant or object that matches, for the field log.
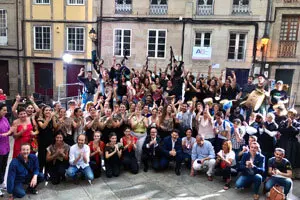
(203, 155)
(23, 170)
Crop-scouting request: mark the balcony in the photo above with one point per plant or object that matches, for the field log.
(158, 9)
(205, 10)
(123, 8)
(291, 1)
(287, 49)
(240, 9)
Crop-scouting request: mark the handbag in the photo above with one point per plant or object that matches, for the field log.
(276, 193)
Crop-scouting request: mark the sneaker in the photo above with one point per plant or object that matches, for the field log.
(209, 178)
(3, 186)
(1, 194)
(90, 182)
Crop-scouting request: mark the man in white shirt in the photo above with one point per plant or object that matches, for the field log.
(79, 158)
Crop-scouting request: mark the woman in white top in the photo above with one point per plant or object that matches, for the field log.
(224, 163)
(205, 126)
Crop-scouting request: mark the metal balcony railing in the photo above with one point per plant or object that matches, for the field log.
(158, 9)
(123, 8)
(291, 1)
(205, 10)
(287, 49)
(240, 9)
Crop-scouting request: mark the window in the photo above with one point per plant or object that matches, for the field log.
(289, 28)
(42, 2)
(75, 2)
(237, 46)
(288, 36)
(42, 38)
(75, 39)
(3, 27)
(122, 42)
(157, 43)
(202, 39)
(159, 2)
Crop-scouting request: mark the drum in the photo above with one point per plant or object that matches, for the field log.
(254, 100)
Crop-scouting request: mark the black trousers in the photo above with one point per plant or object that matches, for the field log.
(96, 168)
(57, 171)
(112, 166)
(155, 161)
(3, 164)
(130, 162)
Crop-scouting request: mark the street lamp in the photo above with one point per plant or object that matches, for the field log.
(264, 43)
(93, 36)
(67, 58)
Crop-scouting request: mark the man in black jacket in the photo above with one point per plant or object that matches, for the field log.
(151, 150)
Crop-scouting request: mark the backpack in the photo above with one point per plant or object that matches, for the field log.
(230, 124)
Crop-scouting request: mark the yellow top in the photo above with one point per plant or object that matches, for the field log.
(140, 127)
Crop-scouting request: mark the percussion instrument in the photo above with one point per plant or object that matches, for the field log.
(255, 99)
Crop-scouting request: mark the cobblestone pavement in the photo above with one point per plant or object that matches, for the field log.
(150, 185)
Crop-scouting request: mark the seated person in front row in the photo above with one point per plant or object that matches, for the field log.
(225, 163)
(23, 170)
(187, 146)
(151, 150)
(203, 155)
(58, 159)
(79, 158)
(172, 150)
(252, 167)
(280, 170)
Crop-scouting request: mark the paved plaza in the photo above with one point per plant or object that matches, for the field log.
(150, 185)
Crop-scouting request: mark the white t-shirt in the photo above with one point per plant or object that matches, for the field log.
(230, 155)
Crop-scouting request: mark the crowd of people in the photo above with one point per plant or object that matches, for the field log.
(129, 119)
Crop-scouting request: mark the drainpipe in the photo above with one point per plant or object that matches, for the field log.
(99, 30)
(182, 39)
(18, 47)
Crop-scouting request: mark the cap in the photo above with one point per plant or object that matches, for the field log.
(279, 82)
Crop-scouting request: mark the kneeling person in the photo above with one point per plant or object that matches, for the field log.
(280, 170)
(23, 170)
(79, 158)
(203, 154)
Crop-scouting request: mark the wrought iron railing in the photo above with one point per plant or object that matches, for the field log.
(240, 9)
(158, 9)
(287, 49)
(123, 8)
(205, 10)
(291, 1)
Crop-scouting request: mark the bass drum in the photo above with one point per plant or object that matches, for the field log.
(254, 100)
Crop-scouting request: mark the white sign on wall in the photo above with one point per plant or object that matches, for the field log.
(201, 53)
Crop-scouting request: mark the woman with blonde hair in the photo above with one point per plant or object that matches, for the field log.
(225, 162)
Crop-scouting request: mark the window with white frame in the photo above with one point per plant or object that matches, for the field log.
(75, 2)
(3, 27)
(42, 37)
(157, 43)
(122, 42)
(75, 39)
(42, 1)
(237, 46)
(203, 39)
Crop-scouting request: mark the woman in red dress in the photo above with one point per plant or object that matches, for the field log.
(24, 131)
(97, 149)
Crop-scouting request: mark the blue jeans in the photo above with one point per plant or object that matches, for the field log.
(73, 170)
(244, 181)
(19, 192)
(284, 182)
(86, 97)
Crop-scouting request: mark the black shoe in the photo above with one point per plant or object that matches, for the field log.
(177, 171)
(146, 168)
(31, 190)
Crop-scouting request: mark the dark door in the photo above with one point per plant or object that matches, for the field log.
(241, 75)
(4, 79)
(286, 75)
(72, 72)
(43, 74)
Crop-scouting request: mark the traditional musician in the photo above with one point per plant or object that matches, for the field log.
(278, 95)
